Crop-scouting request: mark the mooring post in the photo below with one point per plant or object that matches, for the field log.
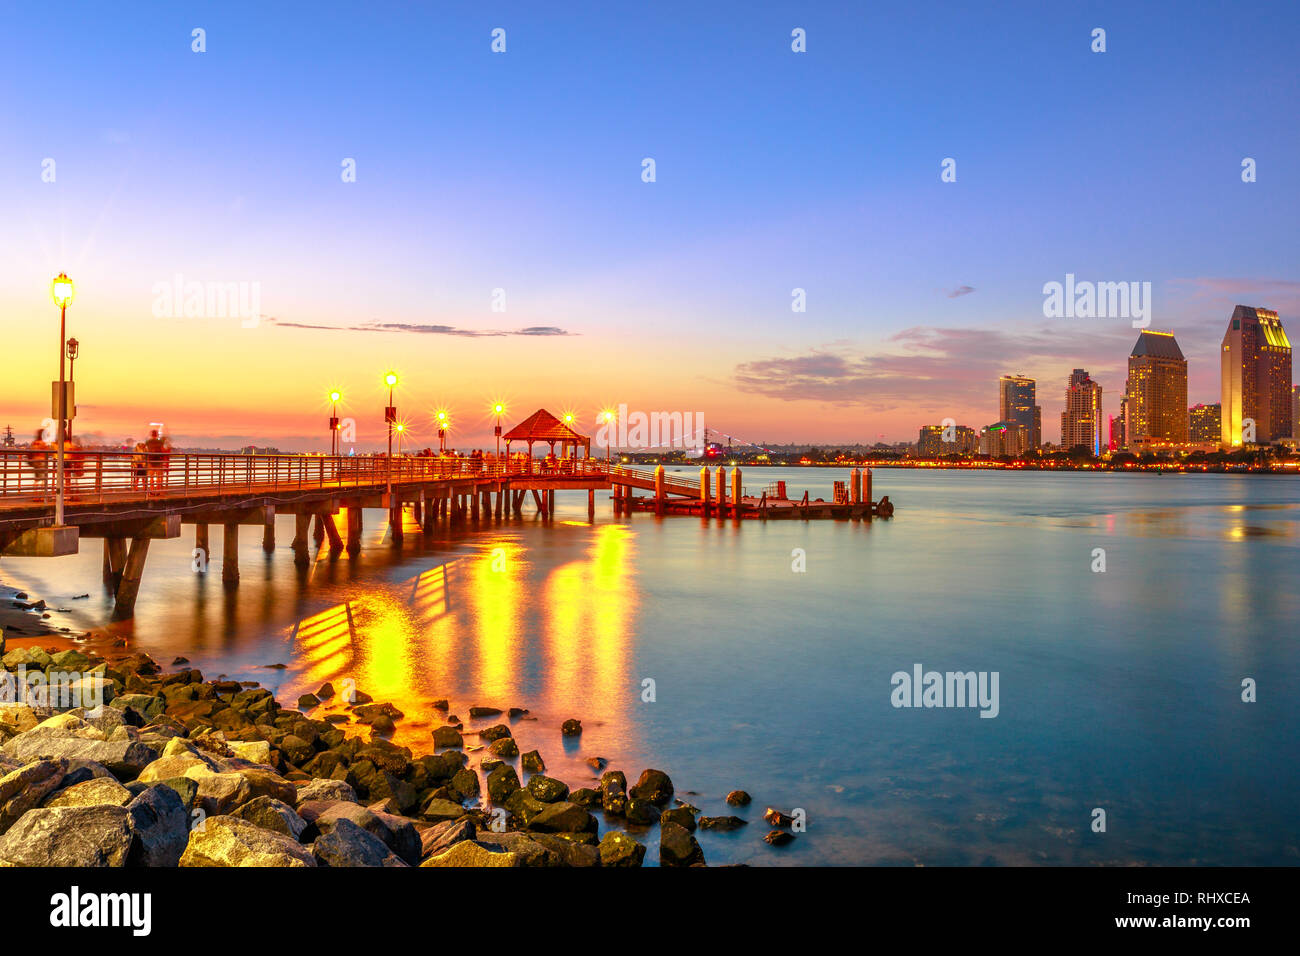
(855, 486)
(124, 605)
(866, 491)
(737, 492)
(230, 553)
(705, 491)
(722, 491)
(591, 504)
(659, 489)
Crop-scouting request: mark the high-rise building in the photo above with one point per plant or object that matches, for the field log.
(1295, 411)
(1016, 397)
(1004, 439)
(938, 440)
(1256, 377)
(1156, 392)
(1203, 423)
(1082, 419)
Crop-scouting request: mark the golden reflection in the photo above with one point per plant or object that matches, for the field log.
(322, 645)
(495, 593)
(589, 606)
(462, 629)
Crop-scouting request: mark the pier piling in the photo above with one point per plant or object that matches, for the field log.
(230, 553)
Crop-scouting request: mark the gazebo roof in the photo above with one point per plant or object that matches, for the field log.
(541, 425)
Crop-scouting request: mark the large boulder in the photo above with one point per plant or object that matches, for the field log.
(619, 849)
(95, 792)
(271, 814)
(613, 793)
(398, 833)
(25, 788)
(502, 782)
(348, 845)
(677, 847)
(653, 786)
(547, 789)
(325, 789)
(125, 758)
(469, 853)
(69, 837)
(229, 841)
(563, 817)
(441, 836)
(159, 826)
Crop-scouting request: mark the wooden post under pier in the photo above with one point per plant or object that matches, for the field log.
(354, 529)
(230, 553)
(301, 527)
(114, 561)
(132, 573)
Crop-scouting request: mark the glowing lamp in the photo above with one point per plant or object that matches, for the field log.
(62, 291)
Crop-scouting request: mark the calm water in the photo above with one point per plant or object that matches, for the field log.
(1118, 690)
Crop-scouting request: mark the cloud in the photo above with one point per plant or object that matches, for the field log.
(426, 329)
(928, 367)
(961, 290)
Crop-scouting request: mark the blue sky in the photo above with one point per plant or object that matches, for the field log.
(521, 171)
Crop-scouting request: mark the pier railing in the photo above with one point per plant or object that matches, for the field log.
(28, 476)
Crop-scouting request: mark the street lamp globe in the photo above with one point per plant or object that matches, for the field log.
(62, 290)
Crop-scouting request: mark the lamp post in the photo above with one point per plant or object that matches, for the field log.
(498, 408)
(61, 291)
(73, 349)
(442, 432)
(390, 416)
(334, 421)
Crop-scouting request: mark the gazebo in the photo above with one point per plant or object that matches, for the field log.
(541, 425)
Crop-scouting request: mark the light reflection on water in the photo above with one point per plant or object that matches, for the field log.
(1118, 690)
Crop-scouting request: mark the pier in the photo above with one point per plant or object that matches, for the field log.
(127, 501)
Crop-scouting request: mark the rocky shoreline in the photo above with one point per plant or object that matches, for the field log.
(175, 770)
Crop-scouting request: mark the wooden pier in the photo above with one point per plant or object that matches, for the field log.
(110, 496)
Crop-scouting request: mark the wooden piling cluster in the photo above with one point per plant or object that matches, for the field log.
(715, 499)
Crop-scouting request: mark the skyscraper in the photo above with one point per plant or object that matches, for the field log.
(1004, 439)
(1256, 377)
(1203, 423)
(1295, 411)
(1081, 421)
(1156, 409)
(1016, 396)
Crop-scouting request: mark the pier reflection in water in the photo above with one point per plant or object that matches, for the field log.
(491, 628)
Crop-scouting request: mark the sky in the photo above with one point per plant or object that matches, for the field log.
(499, 241)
